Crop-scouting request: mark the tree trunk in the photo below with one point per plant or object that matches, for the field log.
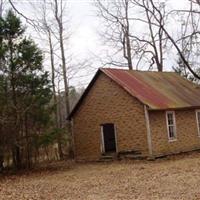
(64, 68)
(28, 152)
(54, 94)
(16, 157)
(127, 38)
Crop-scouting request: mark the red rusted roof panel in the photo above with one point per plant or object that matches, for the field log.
(158, 90)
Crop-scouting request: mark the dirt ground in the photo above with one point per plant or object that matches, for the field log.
(175, 177)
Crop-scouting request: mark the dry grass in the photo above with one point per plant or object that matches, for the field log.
(177, 177)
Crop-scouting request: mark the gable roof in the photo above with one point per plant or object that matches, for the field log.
(157, 90)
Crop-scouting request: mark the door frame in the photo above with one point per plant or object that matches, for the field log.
(102, 143)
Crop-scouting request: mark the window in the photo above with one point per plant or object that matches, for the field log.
(171, 125)
(198, 121)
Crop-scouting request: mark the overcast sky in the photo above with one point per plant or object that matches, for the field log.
(84, 16)
(85, 40)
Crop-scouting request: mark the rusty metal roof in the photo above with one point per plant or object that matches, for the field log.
(158, 90)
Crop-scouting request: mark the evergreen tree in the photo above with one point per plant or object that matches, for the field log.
(25, 90)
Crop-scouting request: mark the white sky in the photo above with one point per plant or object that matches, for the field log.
(85, 40)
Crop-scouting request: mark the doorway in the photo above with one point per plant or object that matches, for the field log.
(108, 138)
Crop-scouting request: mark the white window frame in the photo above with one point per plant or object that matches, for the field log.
(198, 123)
(174, 125)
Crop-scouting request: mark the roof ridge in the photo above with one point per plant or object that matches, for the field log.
(134, 70)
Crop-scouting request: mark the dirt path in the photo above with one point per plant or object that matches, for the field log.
(174, 178)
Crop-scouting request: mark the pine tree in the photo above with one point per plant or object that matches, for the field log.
(25, 90)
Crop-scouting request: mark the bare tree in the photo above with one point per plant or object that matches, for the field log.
(117, 28)
(120, 22)
(189, 39)
(154, 11)
(58, 13)
(47, 29)
(2, 6)
(154, 42)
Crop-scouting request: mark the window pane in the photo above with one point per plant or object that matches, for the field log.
(171, 132)
(198, 115)
(171, 125)
(170, 118)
